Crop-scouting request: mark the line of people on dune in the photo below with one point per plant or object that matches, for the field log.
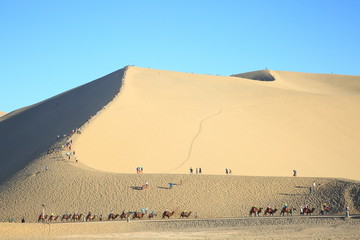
(112, 216)
(288, 210)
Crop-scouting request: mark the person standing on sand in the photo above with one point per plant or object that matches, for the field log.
(200, 170)
(295, 173)
(196, 170)
(226, 171)
(191, 170)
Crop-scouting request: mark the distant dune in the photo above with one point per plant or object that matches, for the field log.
(168, 122)
(2, 113)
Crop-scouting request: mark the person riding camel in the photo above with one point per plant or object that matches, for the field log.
(323, 206)
(285, 206)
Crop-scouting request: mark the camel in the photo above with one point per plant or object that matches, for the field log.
(287, 210)
(77, 217)
(53, 218)
(90, 217)
(42, 217)
(255, 211)
(185, 214)
(138, 215)
(309, 211)
(270, 211)
(66, 217)
(113, 216)
(152, 215)
(324, 210)
(124, 215)
(168, 214)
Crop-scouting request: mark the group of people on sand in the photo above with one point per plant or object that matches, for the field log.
(140, 170)
(197, 170)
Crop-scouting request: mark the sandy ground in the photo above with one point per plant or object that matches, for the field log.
(2, 113)
(260, 228)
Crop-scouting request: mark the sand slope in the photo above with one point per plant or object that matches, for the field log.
(28, 132)
(2, 113)
(169, 121)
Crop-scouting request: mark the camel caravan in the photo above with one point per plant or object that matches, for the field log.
(289, 211)
(254, 211)
(76, 217)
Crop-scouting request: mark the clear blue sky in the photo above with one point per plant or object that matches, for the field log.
(50, 46)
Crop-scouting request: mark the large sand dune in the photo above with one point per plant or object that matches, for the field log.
(2, 113)
(168, 122)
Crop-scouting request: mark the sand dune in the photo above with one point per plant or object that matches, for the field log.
(2, 113)
(169, 121)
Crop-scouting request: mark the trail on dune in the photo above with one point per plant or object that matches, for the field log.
(194, 139)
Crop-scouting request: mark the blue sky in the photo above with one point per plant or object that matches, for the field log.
(48, 47)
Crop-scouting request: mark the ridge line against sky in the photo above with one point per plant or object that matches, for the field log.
(48, 47)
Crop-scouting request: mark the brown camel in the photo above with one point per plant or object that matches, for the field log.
(138, 215)
(185, 214)
(77, 217)
(270, 211)
(309, 211)
(113, 216)
(324, 210)
(42, 217)
(152, 215)
(90, 217)
(255, 211)
(168, 214)
(124, 215)
(287, 211)
(66, 217)
(53, 218)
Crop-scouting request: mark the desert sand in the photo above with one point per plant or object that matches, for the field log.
(168, 122)
(2, 113)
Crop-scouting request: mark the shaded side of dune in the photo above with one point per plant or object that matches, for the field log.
(30, 131)
(261, 75)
